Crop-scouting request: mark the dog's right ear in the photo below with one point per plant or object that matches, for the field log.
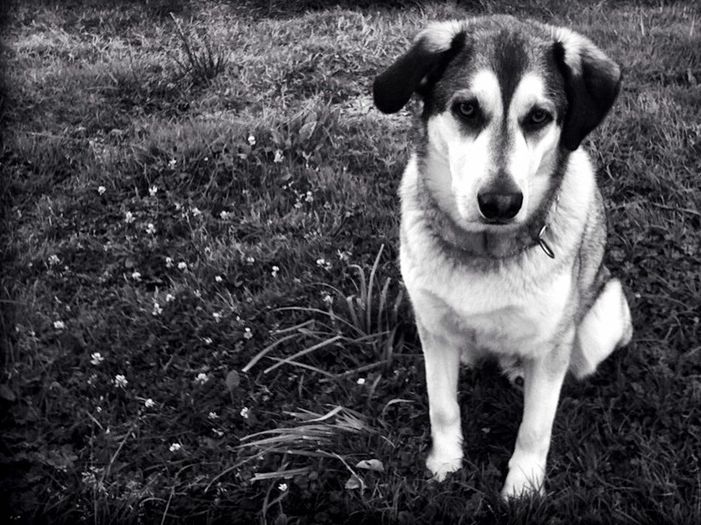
(425, 61)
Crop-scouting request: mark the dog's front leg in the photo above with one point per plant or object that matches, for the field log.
(543, 378)
(442, 361)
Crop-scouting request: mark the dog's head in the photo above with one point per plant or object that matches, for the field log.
(504, 101)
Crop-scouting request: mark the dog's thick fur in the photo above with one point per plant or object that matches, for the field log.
(503, 227)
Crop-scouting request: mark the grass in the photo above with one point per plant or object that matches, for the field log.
(200, 296)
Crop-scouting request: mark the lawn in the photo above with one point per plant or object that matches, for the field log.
(202, 314)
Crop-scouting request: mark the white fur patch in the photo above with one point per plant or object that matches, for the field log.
(438, 36)
(529, 92)
(484, 85)
(573, 44)
(576, 46)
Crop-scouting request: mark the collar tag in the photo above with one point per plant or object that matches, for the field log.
(543, 244)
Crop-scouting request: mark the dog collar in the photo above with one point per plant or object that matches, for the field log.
(543, 243)
(489, 244)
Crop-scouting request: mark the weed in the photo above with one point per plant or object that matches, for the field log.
(204, 60)
(368, 321)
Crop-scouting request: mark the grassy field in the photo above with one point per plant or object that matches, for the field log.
(202, 317)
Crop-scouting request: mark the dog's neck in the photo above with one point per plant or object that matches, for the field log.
(489, 244)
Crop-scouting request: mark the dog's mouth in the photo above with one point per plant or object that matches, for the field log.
(497, 222)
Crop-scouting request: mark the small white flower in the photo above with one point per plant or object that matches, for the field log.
(247, 334)
(196, 212)
(170, 298)
(169, 262)
(309, 197)
(128, 217)
(96, 358)
(174, 447)
(218, 278)
(279, 157)
(198, 293)
(172, 163)
(217, 316)
(136, 276)
(157, 310)
(201, 378)
(251, 140)
(54, 260)
(120, 381)
(212, 416)
(101, 190)
(150, 228)
(149, 403)
(282, 487)
(275, 271)
(244, 412)
(152, 191)
(59, 325)
(250, 260)
(361, 381)
(327, 298)
(323, 263)
(207, 340)
(92, 379)
(182, 265)
(225, 214)
(98, 409)
(206, 159)
(343, 255)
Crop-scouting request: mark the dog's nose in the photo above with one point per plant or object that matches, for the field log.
(496, 206)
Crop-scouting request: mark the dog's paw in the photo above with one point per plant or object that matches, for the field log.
(524, 483)
(442, 465)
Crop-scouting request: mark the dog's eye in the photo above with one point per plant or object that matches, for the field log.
(536, 119)
(467, 109)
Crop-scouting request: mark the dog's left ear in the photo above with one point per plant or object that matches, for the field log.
(430, 53)
(592, 83)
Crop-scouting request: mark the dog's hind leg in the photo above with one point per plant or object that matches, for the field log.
(442, 361)
(606, 326)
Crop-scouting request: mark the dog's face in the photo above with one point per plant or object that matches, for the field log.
(504, 101)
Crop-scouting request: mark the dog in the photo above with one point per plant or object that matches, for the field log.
(503, 227)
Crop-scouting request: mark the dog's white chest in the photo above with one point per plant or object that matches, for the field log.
(503, 312)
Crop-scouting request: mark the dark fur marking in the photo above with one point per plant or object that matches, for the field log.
(510, 63)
